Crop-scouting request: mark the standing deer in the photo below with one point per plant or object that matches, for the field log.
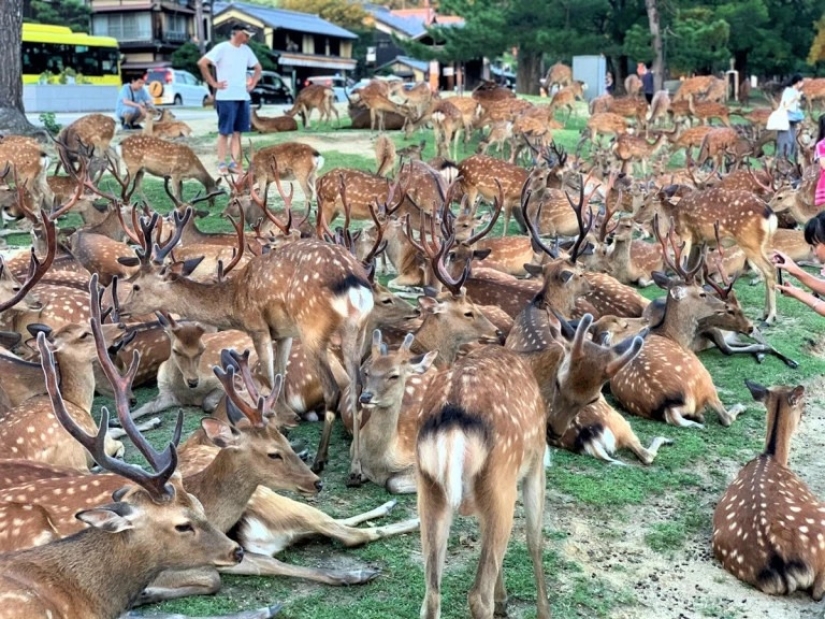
(479, 438)
(768, 528)
(307, 289)
(314, 96)
(287, 161)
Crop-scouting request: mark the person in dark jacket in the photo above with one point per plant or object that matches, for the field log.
(647, 81)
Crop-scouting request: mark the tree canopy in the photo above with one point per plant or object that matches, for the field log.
(72, 13)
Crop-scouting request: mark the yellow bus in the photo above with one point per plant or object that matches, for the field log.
(56, 48)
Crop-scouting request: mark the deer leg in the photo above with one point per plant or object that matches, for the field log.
(164, 401)
(173, 584)
(532, 492)
(261, 565)
(675, 417)
(436, 518)
(262, 341)
(401, 484)
(351, 346)
(138, 184)
(726, 417)
(496, 524)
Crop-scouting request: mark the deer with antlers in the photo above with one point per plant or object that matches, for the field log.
(275, 297)
(768, 526)
(153, 525)
(667, 381)
(742, 217)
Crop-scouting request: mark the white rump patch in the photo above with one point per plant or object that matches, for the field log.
(319, 162)
(358, 300)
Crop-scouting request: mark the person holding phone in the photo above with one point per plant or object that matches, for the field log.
(815, 237)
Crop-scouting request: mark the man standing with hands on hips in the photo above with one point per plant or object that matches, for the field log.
(231, 59)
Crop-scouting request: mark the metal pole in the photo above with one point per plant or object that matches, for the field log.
(199, 34)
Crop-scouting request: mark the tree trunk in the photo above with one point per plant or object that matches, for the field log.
(12, 117)
(528, 73)
(656, 35)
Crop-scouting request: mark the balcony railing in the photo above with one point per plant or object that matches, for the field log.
(175, 36)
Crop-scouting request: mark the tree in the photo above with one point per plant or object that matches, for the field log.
(349, 15)
(72, 13)
(12, 116)
(656, 35)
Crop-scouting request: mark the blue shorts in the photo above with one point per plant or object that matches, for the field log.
(233, 117)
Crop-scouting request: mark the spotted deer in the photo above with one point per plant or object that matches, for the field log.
(92, 133)
(287, 161)
(485, 176)
(742, 217)
(379, 105)
(308, 288)
(166, 129)
(707, 110)
(695, 87)
(566, 97)
(143, 154)
(479, 439)
(606, 123)
(314, 97)
(167, 529)
(768, 527)
(630, 148)
(30, 164)
(272, 124)
(30, 431)
(667, 381)
(560, 75)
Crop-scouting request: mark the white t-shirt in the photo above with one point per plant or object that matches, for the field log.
(231, 64)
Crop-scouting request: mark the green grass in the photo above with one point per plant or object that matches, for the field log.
(686, 479)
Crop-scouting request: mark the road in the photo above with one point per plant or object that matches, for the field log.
(181, 113)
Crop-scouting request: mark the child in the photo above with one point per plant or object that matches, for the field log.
(819, 155)
(814, 236)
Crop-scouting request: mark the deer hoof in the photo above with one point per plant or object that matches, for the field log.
(318, 466)
(355, 480)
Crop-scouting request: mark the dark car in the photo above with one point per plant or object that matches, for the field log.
(271, 89)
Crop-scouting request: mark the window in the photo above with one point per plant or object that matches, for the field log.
(176, 28)
(124, 27)
(55, 57)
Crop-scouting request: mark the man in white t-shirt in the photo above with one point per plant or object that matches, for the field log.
(231, 60)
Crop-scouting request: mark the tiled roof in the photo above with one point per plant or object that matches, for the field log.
(411, 22)
(288, 20)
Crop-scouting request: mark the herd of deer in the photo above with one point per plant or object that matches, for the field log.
(456, 397)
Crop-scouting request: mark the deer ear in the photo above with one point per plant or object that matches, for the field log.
(190, 265)
(796, 395)
(678, 292)
(220, 433)
(661, 279)
(533, 269)
(112, 518)
(422, 363)
(128, 261)
(566, 276)
(428, 305)
(759, 393)
(481, 254)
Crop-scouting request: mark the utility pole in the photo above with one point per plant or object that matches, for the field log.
(199, 33)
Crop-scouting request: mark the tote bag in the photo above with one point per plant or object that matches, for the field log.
(778, 121)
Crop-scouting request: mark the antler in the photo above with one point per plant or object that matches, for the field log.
(497, 205)
(233, 362)
(236, 254)
(532, 223)
(153, 251)
(37, 269)
(578, 209)
(163, 463)
(687, 273)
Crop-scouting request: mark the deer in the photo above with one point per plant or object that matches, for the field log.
(742, 217)
(417, 97)
(92, 133)
(167, 129)
(272, 124)
(633, 85)
(152, 525)
(30, 164)
(628, 148)
(659, 107)
(486, 176)
(767, 527)
(814, 91)
(667, 381)
(566, 97)
(312, 97)
(269, 298)
(706, 110)
(479, 439)
(695, 87)
(560, 75)
(142, 153)
(604, 123)
(287, 161)
(385, 155)
(500, 132)
(379, 105)
(447, 120)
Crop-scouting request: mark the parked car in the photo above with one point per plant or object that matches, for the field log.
(271, 88)
(338, 83)
(175, 87)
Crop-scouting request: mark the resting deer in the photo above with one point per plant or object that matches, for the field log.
(153, 525)
(479, 439)
(768, 528)
(307, 289)
(272, 124)
(667, 380)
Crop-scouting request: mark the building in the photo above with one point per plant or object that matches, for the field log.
(305, 44)
(411, 25)
(149, 31)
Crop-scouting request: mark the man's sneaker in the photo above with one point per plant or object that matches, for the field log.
(223, 169)
(234, 168)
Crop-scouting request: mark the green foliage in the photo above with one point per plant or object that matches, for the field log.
(49, 121)
(72, 13)
(265, 56)
(699, 43)
(186, 58)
